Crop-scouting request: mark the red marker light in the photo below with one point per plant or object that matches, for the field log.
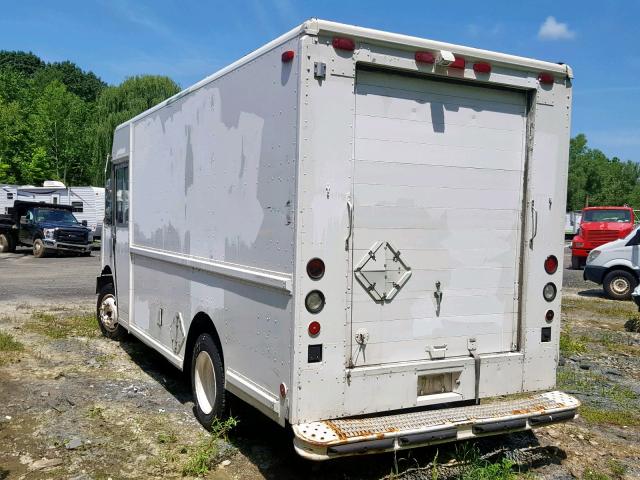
(287, 56)
(314, 328)
(549, 315)
(458, 63)
(342, 43)
(551, 264)
(425, 57)
(315, 268)
(482, 67)
(545, 78)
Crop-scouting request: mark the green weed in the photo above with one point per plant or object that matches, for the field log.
(570, 346)
(204, 455)
(63, 325)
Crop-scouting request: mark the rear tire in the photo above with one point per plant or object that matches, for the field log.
(207, 381)
(39, 250)
(576, 262)
(619, 284)
(6, 243)
(107, 313)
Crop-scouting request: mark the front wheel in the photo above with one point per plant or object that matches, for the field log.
(107, 313)
(576, 262)
(6, 243)
(619, 284)
(207, 381)
(39, 250)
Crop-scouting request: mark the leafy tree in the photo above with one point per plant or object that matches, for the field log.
(83, 84)
(25, 63)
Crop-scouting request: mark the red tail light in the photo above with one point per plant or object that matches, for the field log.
(287, 56)
(551, 264)
(458, 63)
(482, 67)
(545, 78)
(342, 43)
(315, 269)
(314, 328)
(549, 315)
(425, 57)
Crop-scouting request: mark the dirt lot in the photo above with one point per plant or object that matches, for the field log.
(74, 405)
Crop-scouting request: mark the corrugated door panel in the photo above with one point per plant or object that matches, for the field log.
(438, 178)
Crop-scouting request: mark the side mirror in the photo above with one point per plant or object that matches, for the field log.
(23, 220)
(84, 223)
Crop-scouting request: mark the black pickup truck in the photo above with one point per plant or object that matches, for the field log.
(45, 227)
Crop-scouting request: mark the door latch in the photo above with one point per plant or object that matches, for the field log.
(438, 296)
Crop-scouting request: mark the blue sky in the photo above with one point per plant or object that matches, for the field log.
(187, 40)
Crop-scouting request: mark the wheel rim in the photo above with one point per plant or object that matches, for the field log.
(4, 245)
(37, 247)
(205, 382)
(620, 286)
(108, 312)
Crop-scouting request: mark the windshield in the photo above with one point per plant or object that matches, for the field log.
(53, 215)
(606, 216)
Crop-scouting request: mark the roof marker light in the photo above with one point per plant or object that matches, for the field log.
(458, 63)
(425, 57)
(287, 56)
(545, 78)
(342, 43)
(482, 67)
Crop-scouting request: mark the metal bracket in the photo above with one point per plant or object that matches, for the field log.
(319, 70)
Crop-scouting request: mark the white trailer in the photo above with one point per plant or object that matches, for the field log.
(87, 201)
(350, 230)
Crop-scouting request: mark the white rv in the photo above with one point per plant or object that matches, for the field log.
(87, 202)
(354, 231)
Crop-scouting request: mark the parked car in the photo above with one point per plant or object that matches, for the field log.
(616, 266)
(600, 225)
(45, 227)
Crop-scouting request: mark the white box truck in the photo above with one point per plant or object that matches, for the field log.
(356, 232)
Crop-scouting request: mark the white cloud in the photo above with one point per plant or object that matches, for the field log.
(551, 29)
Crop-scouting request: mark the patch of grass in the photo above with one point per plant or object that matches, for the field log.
(63, 325)
(164, 438)
(616, 467)
(594, 475)
(632, 325)
(9, 344)
(484, 470)
(204, 455)
(595, 384)
(570, 346)
(96, 412)
(607, 416)
(599, 307)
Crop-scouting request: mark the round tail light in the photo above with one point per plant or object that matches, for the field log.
(549, 316)
(551, 264)
(549, 292)
(314, 301)
(314, 328)
(315, 269)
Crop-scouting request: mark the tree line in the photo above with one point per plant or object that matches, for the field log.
(57, 123)
(57, 120)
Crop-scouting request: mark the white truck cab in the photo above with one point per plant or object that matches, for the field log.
(616, 266)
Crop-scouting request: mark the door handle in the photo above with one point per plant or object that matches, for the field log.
(350, 218)
(534, 223)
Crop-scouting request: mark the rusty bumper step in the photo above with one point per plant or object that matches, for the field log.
(353, 436)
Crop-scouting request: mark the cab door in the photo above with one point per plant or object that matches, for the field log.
(121, 239)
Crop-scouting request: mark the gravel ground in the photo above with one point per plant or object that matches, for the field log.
(75, 405)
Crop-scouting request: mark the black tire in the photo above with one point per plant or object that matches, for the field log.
(7, 245)
(576, 262)
(86, 254)
(208, 393)
(110, 329)
(39, 250)
(619, 284)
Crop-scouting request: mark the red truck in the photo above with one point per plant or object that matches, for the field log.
(600, 225)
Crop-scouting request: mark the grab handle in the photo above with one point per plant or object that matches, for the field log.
(534, 223)
(350, 215)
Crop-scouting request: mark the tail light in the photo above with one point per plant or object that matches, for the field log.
(315, 269)
(314, 301)
(549, 292)
(314, 328)
(549, 316)
(551, 264)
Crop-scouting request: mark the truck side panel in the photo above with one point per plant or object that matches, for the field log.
(213, 206)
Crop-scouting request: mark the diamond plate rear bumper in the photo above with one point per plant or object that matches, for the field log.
(353, 436)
